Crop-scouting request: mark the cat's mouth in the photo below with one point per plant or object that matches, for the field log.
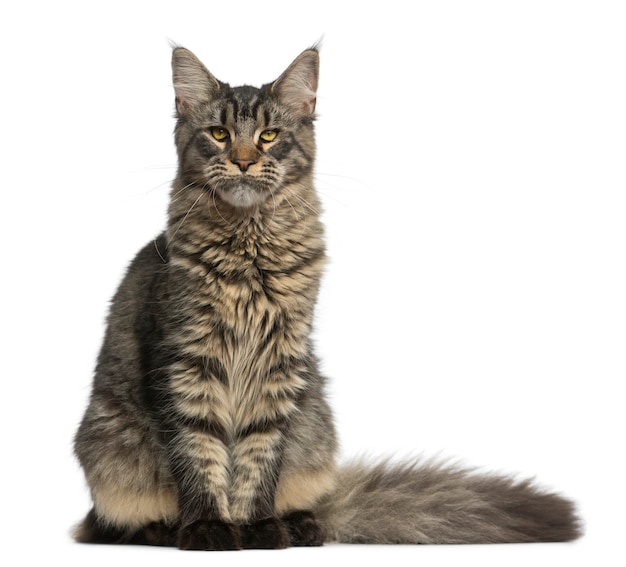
(243, 194)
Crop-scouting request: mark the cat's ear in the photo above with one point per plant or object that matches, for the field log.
(193, 83)
(297, 86)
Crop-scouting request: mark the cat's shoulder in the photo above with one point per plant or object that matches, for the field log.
(152, 257)
(145, 270)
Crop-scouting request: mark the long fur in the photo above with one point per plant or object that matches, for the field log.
(422, 502)
(208, 425)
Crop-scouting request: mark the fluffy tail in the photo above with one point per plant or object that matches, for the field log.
(431, 503)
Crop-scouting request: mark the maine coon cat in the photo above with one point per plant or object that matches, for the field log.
(208, 426)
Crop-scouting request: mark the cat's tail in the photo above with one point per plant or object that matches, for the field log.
(425, 502)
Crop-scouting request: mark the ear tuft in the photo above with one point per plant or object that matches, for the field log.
(194, 85)
(297, 86)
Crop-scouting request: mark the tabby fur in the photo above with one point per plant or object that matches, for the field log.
(208, 426)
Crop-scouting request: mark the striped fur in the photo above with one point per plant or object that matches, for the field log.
(208, 426)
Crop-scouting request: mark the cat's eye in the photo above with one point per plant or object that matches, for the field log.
(220, 134)
(268, 135)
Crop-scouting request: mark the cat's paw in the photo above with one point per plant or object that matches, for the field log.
(270, 533)
(156, 533)
(209, 535)
(304, 529)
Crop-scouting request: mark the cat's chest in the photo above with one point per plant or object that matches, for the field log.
(238, 303)
(246, 323)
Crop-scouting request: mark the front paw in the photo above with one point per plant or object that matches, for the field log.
(209, 535)
(270, 533)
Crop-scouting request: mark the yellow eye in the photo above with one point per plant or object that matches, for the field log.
(220, 134)
(268, 135)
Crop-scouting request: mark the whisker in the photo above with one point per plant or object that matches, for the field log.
(156, 247)
(160, 186)
(339, 176)
(176, 195)
(292, 207)
(302, 200)
(155, 167)
(217, 209)
(185, 217)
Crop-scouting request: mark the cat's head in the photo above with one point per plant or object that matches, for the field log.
(244, 144)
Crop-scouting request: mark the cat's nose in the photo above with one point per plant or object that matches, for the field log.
(243, 164)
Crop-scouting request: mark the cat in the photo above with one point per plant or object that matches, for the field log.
(208, 426)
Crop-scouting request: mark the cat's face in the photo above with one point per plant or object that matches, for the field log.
(244, 145)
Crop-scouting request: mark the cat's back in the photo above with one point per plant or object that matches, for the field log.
(135, 318)
(144, 276)
(117, 419)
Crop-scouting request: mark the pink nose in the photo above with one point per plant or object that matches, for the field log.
(243, 164)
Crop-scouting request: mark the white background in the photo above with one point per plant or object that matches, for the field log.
(471, 164)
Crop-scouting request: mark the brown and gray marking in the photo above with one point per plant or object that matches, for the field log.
(208, 426)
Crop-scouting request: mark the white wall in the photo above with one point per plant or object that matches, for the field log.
(471, 163)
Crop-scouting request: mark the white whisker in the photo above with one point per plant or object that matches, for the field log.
(217, 209)
(175, 196)
(292, 207)
(302, 200)
(185, 217)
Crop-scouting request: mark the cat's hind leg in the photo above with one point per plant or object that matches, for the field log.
(94, 530)
(299, 490)
(134, 497)
(125, 518)
(304, 530)
(91, 530)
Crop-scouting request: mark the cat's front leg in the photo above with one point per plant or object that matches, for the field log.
(258, 456)
(199, 455)
(200, 466)
(256, 461)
